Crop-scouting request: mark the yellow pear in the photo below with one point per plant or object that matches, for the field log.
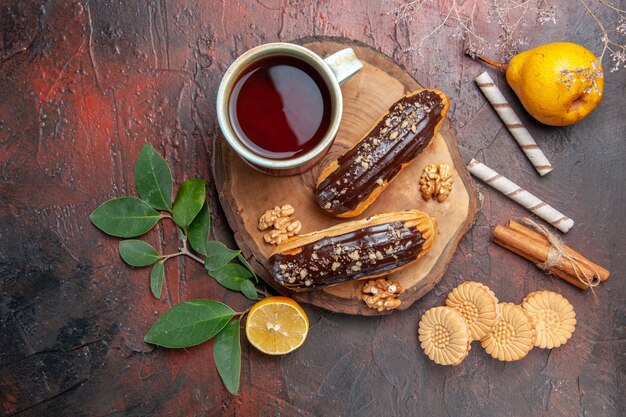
(558, 83)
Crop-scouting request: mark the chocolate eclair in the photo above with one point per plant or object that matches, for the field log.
(367, 248)
(349, 184)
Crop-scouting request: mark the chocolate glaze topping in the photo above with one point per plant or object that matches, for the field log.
(397, 139)
(364, 252)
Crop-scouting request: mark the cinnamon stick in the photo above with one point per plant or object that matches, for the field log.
(590, 268)
(533, 251)
(533, 246)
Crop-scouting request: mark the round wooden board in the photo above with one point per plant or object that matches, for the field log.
(245, 194)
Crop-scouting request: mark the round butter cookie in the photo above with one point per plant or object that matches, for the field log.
(478, 305)
(553, 315)
(444, 336)
(513, 335)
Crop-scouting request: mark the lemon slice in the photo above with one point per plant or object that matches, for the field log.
(277, 325)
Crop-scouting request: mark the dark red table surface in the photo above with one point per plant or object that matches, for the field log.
(83, 85)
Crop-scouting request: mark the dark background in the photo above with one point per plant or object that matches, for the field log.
(83, 85)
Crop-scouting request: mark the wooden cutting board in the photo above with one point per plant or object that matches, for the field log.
(245, 194)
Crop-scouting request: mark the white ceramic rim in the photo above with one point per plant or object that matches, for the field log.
(273, 49)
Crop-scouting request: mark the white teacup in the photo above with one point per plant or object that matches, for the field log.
(333, 70)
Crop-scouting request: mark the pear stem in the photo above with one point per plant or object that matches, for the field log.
(497, 65)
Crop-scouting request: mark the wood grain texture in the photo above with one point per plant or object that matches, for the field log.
(83, 85)
(246, 194)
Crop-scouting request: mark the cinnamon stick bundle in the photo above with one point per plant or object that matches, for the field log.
(550, 254)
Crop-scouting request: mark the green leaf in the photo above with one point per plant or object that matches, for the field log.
(156, 278)
(231, 276)
(218, 255)
(138, 253)
(125, 217)
(227, 355)
(189, 324)
(249, 290)
(181, 234)
(189, 201)
(153, 179)
(245, 263)
(199, 230)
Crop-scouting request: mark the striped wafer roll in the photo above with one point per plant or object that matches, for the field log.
(514, 124)
(521, 196)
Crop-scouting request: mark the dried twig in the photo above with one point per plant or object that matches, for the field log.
(511, 16)
(617, 51)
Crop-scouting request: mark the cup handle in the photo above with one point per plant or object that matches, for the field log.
(344, 64)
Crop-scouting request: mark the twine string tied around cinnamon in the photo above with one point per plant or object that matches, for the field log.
(558, 251)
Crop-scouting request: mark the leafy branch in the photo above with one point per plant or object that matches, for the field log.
(197, 321)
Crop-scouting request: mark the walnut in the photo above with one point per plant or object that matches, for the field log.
(381, 294)
(270, 217)
(286, 230)
(283, 224)
(275, 237)
(436, 182)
